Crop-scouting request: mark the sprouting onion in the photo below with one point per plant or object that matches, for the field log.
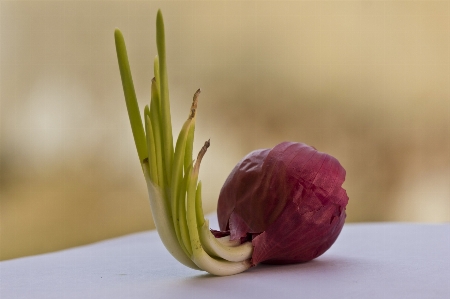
(171, 173)
(280, 205)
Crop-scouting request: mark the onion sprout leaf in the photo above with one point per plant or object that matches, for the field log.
(171, 175)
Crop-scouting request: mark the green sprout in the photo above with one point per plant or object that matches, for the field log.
(172, 174)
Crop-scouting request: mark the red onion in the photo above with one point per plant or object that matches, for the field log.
(287, 200)
(284, 205)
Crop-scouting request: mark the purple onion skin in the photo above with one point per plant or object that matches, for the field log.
(288, 201)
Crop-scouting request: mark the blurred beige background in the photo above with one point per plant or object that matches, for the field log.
(365, 81)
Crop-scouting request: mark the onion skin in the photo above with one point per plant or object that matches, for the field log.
(288, 201)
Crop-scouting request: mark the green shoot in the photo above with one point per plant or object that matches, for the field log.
(153, 169)
(171, 176)
(164, 95)
(177, 176)
(130, 97)
(199, 255)
(163, 222)
(155, 120)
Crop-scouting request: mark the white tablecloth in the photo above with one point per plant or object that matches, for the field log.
(379, 260)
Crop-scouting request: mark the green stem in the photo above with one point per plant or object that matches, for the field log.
(184, 231)
(156, 124)
(198, 205)
(153, 169)
(199, 255)
(164, 93)
(175, 197)
(215, 248)
(190, 139)
(184, 142)
(189, 148)
(130, 97)
(163, 222)
(177, 176)
(211, 244)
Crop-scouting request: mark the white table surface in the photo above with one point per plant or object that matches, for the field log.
(380, 260)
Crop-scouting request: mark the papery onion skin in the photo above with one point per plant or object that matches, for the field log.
(288, 200)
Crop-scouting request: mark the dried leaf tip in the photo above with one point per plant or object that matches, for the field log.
(201, 154)
(194, 104)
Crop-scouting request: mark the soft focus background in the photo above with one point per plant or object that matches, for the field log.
(365, 81)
